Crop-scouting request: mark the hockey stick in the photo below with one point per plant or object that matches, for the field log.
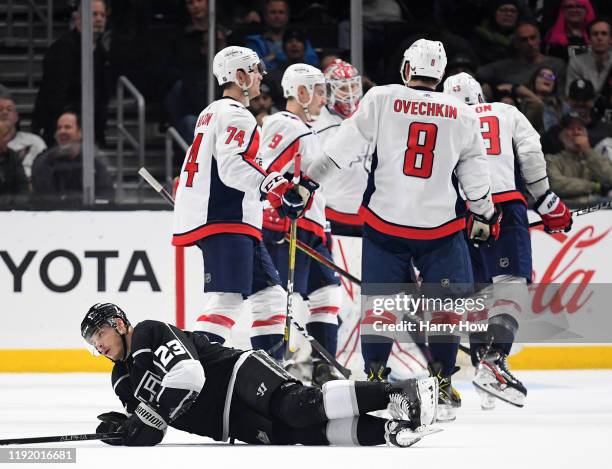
(323, 260)
(291, 272)
(62, 438)
(314, 342)
(580, 212)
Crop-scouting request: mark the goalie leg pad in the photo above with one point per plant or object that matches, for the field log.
(220, 313)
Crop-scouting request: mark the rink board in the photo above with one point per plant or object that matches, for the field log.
(54, 265)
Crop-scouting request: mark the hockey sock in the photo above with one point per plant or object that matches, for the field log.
(371, 396)
(326, 334)
(268, 343)
(375, 349)
(364, 430)
(501, 331)
(444, 351)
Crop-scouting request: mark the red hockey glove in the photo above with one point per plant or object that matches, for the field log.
(555, 215)
(274, 221)
(479, 228)
(273, 188)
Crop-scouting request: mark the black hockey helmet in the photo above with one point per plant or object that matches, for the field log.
(100, 314)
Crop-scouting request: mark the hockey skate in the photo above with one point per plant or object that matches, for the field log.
(400, 433)
(415, 400)
(376, 371)
(449, 399)
(322, 372)
(493, 377)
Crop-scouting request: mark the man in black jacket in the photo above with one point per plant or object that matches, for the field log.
(13, 180)
(61, 82)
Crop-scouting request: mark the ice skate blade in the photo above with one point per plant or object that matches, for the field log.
(407, 438)
(502, 397)
(446, 413)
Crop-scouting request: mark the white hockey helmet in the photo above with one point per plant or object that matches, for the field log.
(464, 87)
(298, 75)
(426, 58)
(344, 89)
(233, 58)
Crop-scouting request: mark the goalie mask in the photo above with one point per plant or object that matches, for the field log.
(100, 315)
(426, 59)
(344, 88)
(304, 75)
(231, 59)
(464, 87)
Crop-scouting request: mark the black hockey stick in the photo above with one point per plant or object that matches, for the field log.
(314, 342)
(323, 260)
(63, 438)
(580, 212)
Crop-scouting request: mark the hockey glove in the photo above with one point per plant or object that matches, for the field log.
(145, 427)
(555, 215)
(306, 189)
(274, 221)
(273, 188)
(111, 422)
(481, 229)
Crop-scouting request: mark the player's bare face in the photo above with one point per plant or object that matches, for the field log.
(318, 100)
(107, 342)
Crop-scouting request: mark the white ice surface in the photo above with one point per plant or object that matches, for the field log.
(567, 423)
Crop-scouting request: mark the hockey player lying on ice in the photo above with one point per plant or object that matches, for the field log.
(168, 377)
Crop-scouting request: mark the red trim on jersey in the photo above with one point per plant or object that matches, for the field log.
(325, 309)
(312, 226)
(385, 317)
(445, 317)
(341, 217)
(285, 157)
(217, 319)
(190, 238)
(374, 221)
(507, 196)
(179, 270)
(277, 319)
(251, 152)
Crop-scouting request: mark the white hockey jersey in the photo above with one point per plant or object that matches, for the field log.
(421, 140)
(343, 195)
(283, 136)
(218, 189)
(508, 135)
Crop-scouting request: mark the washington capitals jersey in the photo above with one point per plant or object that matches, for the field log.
(509, 136)
(218, 189)
(181, 374)
(283, 136)
(343, 195)
(421, 140)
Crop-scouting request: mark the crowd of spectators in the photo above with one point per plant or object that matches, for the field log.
(550, 58)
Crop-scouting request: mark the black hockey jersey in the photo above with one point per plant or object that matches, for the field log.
(180, 373)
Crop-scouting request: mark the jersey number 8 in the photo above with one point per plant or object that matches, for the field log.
(419, 155)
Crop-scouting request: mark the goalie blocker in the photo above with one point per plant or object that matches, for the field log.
(168, 377)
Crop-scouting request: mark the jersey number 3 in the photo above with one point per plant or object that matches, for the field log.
(489, 128)
(419, 155)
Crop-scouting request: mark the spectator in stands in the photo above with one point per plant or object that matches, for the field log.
(581, 102)
(604, 103)
(27, 145)
(543, 84)
(493, 37)
(269, 45)
(187, 71)
(570, 29)
(13, 180)
(594, 64)
(460, 63)
(294, 49)
(262, 105)
(57, 174)
(518, 70)
(61, 82)
(578, 174)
